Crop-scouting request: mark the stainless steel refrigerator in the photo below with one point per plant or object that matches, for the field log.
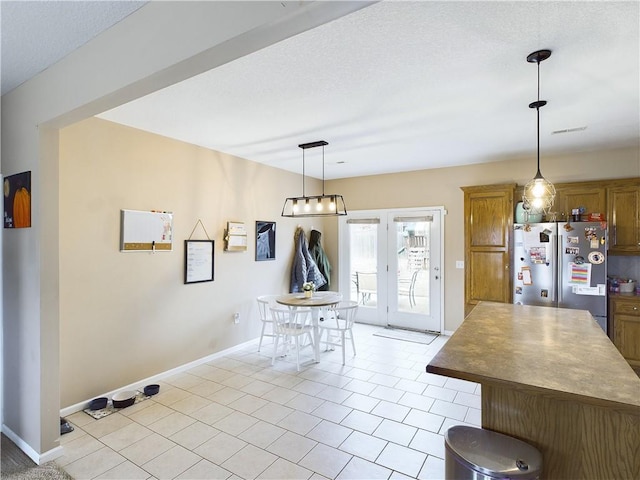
(562, 265)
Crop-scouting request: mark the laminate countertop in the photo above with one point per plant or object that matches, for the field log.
(556, 351)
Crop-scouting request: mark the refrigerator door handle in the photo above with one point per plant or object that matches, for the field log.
(554, 267)
(559, 265)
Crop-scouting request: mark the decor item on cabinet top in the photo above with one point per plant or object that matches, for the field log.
(577, 213)
(526, 216)
(314, 205)
(539, 193)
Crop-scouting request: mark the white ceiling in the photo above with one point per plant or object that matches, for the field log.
(36, 34)
(400, 86)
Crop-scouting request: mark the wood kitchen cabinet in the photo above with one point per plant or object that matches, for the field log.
(488, 213)
(623, 214)
(624, 322)
(590, 195)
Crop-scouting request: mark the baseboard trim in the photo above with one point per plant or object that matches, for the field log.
(146, 381)
(38, 458)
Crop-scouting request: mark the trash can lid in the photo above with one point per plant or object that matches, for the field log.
(492, 453)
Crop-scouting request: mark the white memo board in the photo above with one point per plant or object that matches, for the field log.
(145, 231)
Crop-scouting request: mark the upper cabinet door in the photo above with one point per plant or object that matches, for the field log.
(593, 198)
(488, 214)
(623, 214)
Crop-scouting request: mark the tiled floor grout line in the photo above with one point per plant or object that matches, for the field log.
(252, 365)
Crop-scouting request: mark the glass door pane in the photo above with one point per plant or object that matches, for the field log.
(363, 268)
(412, 280)
(390, 265)
(414, 270)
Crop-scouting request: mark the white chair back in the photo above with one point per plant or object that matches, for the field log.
(264, 303)
(290, 324)
(338, 326)
(344, 311)
(287, 321)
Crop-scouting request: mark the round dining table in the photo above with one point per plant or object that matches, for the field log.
(317, 302)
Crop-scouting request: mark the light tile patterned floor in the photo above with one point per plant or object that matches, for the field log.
(381, 416)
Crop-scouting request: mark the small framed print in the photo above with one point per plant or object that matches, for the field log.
(17, 200)
(265, 241)
(198, 261)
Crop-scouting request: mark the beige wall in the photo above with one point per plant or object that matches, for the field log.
(437, 187)
(127, 316)
(130, 316)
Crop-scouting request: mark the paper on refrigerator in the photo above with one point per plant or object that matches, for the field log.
(579, 274)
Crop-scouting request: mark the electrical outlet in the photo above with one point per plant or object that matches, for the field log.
(236, 317)
(459, 264)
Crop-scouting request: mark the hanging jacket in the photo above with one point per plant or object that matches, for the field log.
(318, 255)
(304, 268)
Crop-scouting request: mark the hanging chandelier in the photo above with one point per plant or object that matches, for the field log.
(539, 193)
(314, 205)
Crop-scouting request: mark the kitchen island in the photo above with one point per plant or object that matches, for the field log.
(552, 378)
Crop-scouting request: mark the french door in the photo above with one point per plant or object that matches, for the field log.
(390, 263)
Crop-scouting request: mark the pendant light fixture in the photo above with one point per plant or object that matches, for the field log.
(316, 205)
(539, 193)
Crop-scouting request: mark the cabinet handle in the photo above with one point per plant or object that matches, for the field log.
(635, 308)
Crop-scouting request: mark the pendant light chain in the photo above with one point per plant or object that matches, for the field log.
(538, 115)
(323, 170)
(539, 193)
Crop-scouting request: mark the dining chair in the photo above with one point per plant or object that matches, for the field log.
(366, 284)
(407, 286)
(291, 324)
(264, 303)
(338, 326)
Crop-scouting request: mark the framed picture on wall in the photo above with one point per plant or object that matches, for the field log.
(265, 241)
(198, 261)
(17, 200)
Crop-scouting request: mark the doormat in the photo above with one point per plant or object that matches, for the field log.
(407, 335)
(16, 465)
(109, 409)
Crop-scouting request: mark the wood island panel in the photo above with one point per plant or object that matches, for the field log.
(551, 378)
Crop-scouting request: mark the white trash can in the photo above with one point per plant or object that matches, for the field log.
(477, 454)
